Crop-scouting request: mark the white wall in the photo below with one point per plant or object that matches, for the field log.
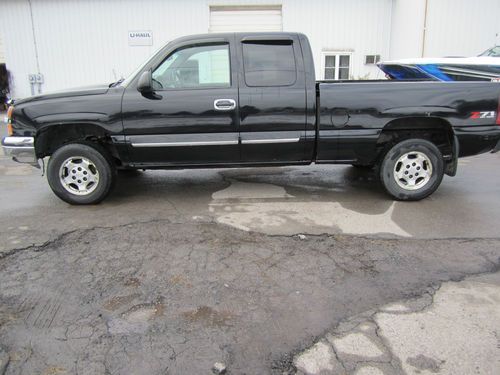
(82, 42)
(454, 27)
(15, 28)
(360, 26)
(2, 55)
(406, 29)
(461, 27)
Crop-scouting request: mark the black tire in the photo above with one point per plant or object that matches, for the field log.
(100, 160)
(388, 165)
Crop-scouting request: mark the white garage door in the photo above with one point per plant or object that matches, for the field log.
(246, 18)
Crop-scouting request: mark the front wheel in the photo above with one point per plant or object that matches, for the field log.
(412, 170)
(81, 173)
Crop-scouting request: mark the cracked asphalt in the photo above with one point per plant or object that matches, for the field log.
(178, 270)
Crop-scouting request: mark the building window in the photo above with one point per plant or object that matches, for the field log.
(372, 59)
(337, 65)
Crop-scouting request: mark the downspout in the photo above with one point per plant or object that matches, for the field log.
(391, 30)
(424, 32)
(36, 52)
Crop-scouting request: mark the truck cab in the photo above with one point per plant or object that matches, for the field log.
(222, 99)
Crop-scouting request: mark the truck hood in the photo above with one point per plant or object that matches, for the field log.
(78, 91)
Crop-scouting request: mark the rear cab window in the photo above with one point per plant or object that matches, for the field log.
(269, 63)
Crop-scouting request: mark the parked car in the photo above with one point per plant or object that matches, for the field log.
(251, 99)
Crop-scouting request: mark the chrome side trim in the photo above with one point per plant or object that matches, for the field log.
(184, 144)
(269, 140)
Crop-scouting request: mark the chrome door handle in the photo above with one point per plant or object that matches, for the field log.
(224, 104)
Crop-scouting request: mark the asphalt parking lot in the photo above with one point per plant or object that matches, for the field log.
(178, 270)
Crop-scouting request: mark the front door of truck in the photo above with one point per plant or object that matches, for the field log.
(192, 116)
(272, 99)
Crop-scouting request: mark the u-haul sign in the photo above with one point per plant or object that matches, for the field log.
(140, 38)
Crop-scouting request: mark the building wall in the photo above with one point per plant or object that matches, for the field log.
(406, 29)
(358, 26)
(461, 27)
(83, 42)
(454, 27)
(2, 54)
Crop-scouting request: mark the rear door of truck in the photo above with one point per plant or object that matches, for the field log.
(272, 99)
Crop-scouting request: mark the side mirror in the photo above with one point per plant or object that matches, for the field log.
(145, 83)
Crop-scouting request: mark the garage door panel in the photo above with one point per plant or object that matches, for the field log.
(245, 19)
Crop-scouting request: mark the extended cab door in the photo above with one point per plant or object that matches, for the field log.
(272, 99)
(191, 118)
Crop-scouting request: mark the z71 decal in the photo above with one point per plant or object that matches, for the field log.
(487, 114)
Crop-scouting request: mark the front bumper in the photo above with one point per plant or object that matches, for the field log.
(21, 149)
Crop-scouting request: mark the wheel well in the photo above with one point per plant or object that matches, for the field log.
(51, 138)
(434, 130)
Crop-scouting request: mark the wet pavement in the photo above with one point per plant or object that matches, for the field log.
(177, 270)
(314, 199)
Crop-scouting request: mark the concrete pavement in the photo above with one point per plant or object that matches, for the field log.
(451, 330)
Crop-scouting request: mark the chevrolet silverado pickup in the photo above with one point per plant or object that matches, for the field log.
(251, 99)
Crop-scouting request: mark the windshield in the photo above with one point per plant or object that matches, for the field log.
(492, 52)
(126, 81)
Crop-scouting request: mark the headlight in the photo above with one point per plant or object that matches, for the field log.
(10, 111)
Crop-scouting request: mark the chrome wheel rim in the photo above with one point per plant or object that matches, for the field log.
(413, 170)
(79, 175)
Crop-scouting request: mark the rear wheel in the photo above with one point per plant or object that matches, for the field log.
(412, 170)
(81, 173)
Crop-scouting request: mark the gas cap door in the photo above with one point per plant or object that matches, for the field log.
(339, 117)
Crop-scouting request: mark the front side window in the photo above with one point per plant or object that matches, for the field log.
(269, 63)
(194, 67)
(337, 66)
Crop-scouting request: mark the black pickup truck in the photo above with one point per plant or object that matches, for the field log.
(251, 99)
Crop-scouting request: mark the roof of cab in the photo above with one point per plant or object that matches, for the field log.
(239, 35)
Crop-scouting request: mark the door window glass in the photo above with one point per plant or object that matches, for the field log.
(194, 67)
